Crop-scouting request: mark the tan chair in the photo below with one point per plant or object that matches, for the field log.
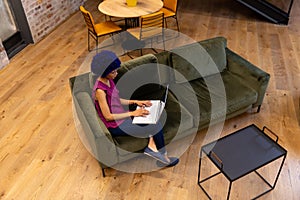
(99, 29)
(151, 27)
(170, 10)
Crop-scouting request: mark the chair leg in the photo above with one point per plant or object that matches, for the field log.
(163, 38)
(177, 23)
(112, 36)
(175, 17)
(258, 108)
(166, 23)
(89, 41)
(103, 172)
(96, 44)
(130, 56)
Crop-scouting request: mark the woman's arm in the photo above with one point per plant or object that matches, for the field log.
(137, 102)
(101, 97)
(127, 102)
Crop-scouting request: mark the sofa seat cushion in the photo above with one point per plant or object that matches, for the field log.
(237, 96)
(176, 119)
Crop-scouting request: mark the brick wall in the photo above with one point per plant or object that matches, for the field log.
(45, 15)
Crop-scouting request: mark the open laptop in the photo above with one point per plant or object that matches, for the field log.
(155, 110)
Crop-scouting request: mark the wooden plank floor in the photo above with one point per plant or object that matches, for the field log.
(42, 157)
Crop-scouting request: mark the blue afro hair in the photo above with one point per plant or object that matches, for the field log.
(105, 62)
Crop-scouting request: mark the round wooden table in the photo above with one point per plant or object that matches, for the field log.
(119, 8)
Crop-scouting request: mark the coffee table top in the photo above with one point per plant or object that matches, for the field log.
(119, 8)
(243, 151)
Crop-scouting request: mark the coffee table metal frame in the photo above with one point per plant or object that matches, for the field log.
(211, 151)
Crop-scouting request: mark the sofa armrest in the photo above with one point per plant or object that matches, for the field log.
(248, 74)
(94, 134)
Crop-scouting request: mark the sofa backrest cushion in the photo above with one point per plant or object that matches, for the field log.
(216, 48)
(199, 60)
(145, 59)
(148, 70)
(136, 73)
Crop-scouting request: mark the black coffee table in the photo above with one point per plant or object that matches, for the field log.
(241, 153)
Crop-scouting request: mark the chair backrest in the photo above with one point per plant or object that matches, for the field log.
(152, 25)
(171, 5)
(88, 19)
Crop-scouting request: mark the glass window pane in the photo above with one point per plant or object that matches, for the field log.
(7, 23)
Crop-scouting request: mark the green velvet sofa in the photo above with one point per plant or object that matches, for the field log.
(225, 84)
(198, 97)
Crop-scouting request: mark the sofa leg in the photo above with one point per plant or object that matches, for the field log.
(258, 108)
(103, 172)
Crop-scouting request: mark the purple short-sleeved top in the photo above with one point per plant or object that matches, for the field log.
(113, 101)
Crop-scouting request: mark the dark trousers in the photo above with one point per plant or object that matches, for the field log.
(141, 131)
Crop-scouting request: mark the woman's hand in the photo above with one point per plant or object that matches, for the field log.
(140, 112)
(144, 103)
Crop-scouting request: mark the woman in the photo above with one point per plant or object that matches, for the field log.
(110, 109)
